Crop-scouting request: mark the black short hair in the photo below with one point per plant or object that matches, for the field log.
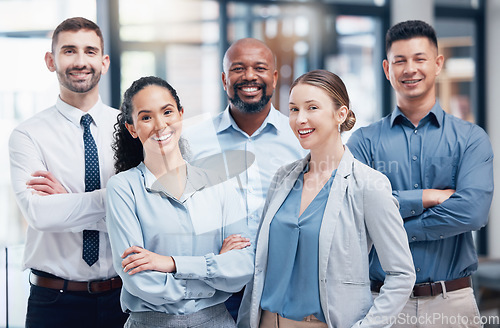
(408, 30)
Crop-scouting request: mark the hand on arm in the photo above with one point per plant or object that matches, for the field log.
(433, 197)
(44, 183)
(137, 259)
(235, 241)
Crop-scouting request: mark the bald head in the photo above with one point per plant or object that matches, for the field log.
(246, 45)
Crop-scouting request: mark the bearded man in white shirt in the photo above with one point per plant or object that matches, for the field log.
(61, 160)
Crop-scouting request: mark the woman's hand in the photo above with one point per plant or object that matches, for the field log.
(137, 259)
(234, 242)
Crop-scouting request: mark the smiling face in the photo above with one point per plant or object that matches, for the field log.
(157, 121)
(78, 60)
(412, 66)
(314, 118)
(249, 76)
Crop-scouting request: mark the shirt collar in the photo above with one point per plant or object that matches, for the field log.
(74, 114)
(435, 115)
(272, 119)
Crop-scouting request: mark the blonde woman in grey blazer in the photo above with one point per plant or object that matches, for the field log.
(322, 216)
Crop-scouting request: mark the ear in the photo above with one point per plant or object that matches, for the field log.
(385, 65)
(105, 64)
(275, 78)
(131, 130)
(223, 76)
(49, 61)
(439, 64)
(342, 114)
(181, 111)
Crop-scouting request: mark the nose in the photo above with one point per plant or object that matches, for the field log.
(301, 117)
(250, 74)
(410, 67)
(80, 60)
(160, 122)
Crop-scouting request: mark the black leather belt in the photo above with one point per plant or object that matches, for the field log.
(92, 287)
(430, 288)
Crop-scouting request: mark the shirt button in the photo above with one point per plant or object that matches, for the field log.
(412, 212)
(414, 157)
(413, 238)
(415, 131)
(418, 269)
(210, 294)
(190, 276)
(441, 236)
(200, 294)
(415, 185)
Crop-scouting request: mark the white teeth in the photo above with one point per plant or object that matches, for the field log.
(250, 89)
(306, 131)
(163, 137)
(411, 82)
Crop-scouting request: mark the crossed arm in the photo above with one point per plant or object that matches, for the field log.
(137, 259)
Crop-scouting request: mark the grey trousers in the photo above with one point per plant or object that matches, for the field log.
(216, 316)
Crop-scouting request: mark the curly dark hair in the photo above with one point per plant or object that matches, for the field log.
(128, 150)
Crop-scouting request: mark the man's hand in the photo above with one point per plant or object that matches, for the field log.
(44, 183)
(433, 197)
(137, 259)
(234, 242)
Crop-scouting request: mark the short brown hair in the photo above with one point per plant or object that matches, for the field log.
(76, 24)
(334, 87)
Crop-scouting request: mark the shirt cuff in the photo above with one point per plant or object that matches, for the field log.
(414, 229)
(410, 202)
(190, 267)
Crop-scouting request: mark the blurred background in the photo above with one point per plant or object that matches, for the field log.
(184, 41)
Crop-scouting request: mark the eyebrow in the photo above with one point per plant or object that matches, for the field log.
(307, 101)
(147, 111)
(243, 64)
(70, 46)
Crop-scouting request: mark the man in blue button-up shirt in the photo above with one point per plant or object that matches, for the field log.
(254, 137)
(441, 172)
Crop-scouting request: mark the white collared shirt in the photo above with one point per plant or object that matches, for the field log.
(52, 140)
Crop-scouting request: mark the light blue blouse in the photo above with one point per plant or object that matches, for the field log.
(291, 286)
(141, 212)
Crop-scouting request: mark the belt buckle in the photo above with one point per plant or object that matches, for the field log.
(89, 286)
(423, 284)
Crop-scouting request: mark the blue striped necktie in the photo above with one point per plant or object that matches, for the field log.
(90, 252)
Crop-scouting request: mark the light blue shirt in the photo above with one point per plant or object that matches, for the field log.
(291, 286)
(442, 152)
(192, 229)
(250, 161)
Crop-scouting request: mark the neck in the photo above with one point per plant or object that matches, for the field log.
(416, 109)
(82, 101)
(249, 122)
(170, 170)
(161, 164)
(327, 158)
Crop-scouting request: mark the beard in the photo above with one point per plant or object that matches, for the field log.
(78, 87)
(249, 108)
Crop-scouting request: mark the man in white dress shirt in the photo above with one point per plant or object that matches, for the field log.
(61, 160)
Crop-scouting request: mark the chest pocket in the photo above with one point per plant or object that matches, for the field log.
(440, 172)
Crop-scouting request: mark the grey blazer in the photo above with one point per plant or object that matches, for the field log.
(360, 212)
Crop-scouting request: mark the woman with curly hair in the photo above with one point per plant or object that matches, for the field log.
(176, 231)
